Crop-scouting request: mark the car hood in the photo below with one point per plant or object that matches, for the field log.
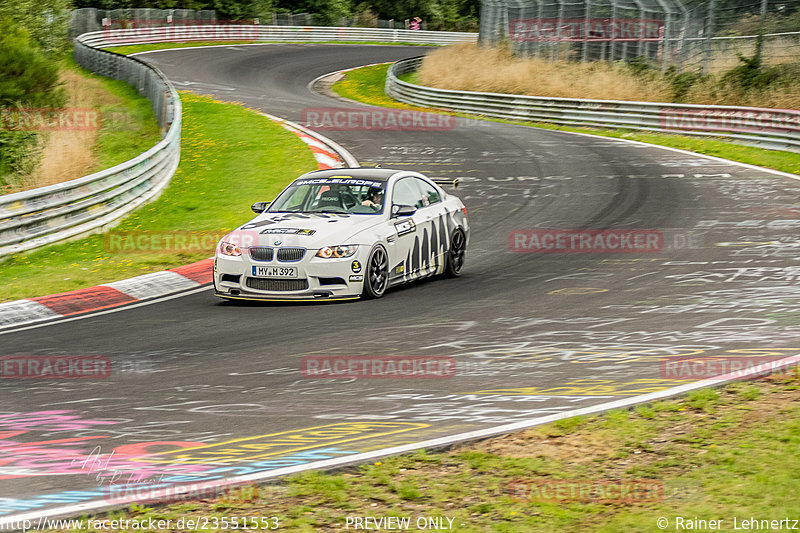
(307, 230)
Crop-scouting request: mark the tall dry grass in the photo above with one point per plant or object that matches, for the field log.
(466, 66)
(711, 92)
(69, 154)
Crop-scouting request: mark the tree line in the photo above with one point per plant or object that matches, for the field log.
(437, 14)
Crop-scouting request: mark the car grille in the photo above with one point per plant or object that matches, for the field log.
(291, 254)
(269, 284)
(261, 253)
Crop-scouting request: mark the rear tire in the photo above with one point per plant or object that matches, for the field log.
(376, 278)
(456, 254)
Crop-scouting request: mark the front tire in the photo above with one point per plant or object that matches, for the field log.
(376, 279)
(456, 254)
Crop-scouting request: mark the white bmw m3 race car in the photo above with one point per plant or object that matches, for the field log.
(342, 234)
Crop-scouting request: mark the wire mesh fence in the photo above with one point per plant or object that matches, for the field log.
(90, 19)
(86, 20)
(708, 35)
(718, 31)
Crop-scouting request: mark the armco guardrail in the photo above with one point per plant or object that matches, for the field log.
(34, 218)
(777, 129)
(38, 217)
(235, 32)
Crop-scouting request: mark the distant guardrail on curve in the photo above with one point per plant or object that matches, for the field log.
(777, 129)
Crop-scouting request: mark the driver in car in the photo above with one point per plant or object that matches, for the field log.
(374, 198)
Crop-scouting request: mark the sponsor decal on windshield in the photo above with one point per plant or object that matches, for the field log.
(340, 180)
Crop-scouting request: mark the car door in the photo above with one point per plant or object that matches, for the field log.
(434, 229)
(405, 242)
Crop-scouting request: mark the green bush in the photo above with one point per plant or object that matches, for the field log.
(750, 73)
(28, 79)
(749, 77)
(18, 150)
(681, 83)
(45, 21)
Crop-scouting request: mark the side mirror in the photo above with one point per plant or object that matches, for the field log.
(403, 210)
(260, 207)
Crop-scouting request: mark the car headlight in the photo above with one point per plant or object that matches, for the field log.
(228, 248)
(337, 252)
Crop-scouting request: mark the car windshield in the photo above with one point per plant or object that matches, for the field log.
(331, 195)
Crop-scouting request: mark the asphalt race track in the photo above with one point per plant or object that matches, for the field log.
(531, 333)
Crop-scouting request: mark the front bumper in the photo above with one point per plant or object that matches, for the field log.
(317, 278)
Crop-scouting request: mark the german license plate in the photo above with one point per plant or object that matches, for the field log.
(275, 272)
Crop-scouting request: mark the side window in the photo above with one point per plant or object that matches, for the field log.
(429, 193)
(406, 192)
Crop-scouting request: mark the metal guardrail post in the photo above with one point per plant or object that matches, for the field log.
(709, 33)
(586, 17)
(761, 30)
(665, 43)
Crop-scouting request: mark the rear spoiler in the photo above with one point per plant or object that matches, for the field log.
(442, 182)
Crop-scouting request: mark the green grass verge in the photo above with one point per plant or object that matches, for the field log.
(230, 158)
(136, 48)
(714, 454)
(128, 128)
(366, 85)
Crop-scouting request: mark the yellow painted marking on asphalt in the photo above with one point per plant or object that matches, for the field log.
(261, 446)
(571, 291)
(590, 387)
